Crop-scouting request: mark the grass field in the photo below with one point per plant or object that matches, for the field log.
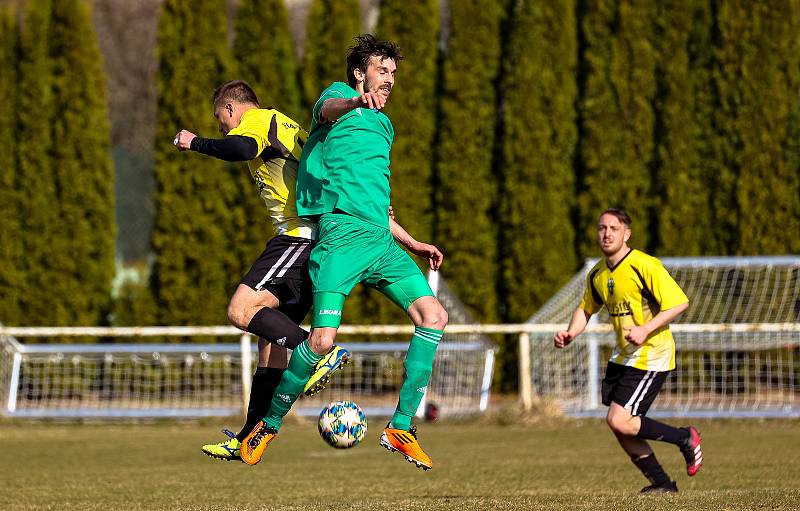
(482, 465)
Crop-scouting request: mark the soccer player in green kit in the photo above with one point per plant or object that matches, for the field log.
(343, 180)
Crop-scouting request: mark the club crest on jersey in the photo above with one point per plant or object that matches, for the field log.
(611, 285)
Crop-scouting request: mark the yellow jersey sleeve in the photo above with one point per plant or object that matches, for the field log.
(591, 302)
(661, 285)
(254, 125)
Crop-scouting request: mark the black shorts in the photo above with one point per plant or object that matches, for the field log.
(632, 388)
(282, 269)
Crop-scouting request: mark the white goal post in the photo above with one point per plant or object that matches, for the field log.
(737, 346)
(196, 380)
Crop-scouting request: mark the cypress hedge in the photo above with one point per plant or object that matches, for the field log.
(264, 53)
(39, 207)
(331, 27)
(11, 250)
(539, 140)
(617, 86)
(197, 265)
(761, 60)
(466, 187)
(83, 246)
(683, 218)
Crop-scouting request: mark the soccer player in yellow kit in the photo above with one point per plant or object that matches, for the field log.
(642, 299)
(275, 294)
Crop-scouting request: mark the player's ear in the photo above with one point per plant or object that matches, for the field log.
(358, 74)
(230, 109)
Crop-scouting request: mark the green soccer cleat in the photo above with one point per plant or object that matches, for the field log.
(335, 359)
(228, 450)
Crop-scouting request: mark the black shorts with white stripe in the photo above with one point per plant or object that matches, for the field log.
(632, 388)
(282, 269)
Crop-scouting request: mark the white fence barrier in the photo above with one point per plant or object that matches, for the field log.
(195, 380)
(723, 370)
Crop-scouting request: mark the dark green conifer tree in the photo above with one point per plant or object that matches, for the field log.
(331, 27)
(684, 217)
(264, 53)
(758, 79)
(39, 207)
(82, 248)
(197, 261)
(539, 92)
(617, 88)
(11, 250)
(466, 186)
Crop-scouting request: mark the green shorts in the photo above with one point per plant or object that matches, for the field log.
(349, 251)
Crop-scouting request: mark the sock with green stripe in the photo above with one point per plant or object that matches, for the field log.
(294, 379)
(418, 365)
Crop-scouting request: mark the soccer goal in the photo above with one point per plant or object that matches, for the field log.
(138, 379)
(737, 346)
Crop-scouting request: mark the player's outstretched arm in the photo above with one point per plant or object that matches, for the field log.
(425, 250)
(334, 108)
(230, 148)
(639, 334)
(576, 325)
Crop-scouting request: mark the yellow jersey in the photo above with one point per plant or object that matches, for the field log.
(634, 291)
(280, 143)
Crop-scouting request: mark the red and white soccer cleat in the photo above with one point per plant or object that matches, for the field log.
(692, 452)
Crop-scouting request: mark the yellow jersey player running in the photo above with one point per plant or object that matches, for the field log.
(642, 299)
(275, 294)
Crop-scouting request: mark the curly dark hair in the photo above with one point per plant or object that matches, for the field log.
(366, 46)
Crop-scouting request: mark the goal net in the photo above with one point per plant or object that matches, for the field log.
(737, 346)
(138, 379)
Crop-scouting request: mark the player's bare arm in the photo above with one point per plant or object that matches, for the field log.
(424, 250)
(639, 334)
(577, 324)
(334, 108)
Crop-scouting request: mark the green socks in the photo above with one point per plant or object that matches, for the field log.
(418, 365)
(301, 366)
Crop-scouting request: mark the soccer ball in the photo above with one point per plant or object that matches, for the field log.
(342, 424)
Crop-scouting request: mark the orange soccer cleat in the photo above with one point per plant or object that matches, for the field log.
(256, 443)
(405, 442)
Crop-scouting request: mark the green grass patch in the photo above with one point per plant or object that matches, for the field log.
(484, 465)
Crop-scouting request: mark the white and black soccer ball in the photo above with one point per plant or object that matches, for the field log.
(342, 424)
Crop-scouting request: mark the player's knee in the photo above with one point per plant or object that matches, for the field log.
(435, 318)
(619, 423)
(321, 344)
(237, 316)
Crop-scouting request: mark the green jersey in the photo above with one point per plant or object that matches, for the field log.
(345, 164)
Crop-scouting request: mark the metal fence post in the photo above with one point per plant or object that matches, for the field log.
(247, 370)
(14, 383)
(525, 376)
(594, 372)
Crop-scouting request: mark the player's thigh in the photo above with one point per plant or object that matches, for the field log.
(274, 276)
(398, 277)
(344, 251)
(631, 388)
